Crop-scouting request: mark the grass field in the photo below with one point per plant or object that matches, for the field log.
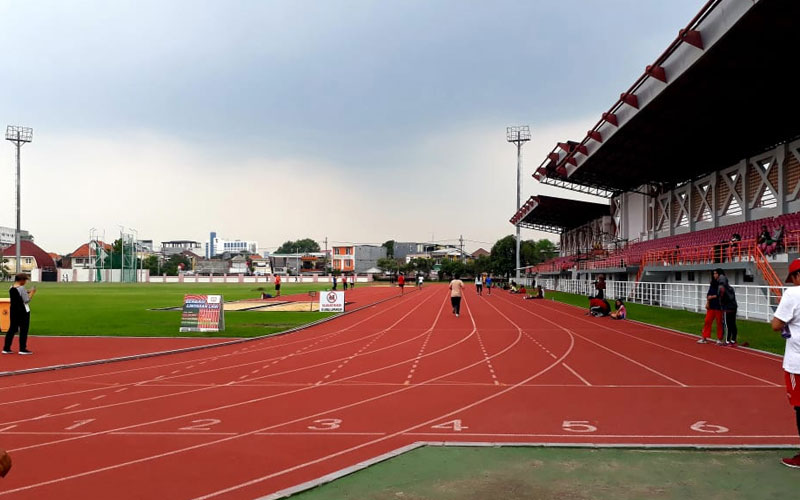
(517, 473)
(757, 334)
(124, 309)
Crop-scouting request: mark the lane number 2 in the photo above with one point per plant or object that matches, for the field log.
(703, 426)
(454, 425)
(578, 426)
(203, 424)
(326, 424)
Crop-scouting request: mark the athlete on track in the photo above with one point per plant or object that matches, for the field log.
(401, 282)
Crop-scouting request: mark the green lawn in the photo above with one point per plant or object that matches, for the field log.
(124, 309)
(517, 473)
(757, 334)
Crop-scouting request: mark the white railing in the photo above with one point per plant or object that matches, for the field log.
(755, 302)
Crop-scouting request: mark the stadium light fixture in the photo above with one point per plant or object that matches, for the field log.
(518, 135)
(19, 136)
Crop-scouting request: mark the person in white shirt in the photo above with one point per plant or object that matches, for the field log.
(787, 321)
(419, 281)
(456, 291)
(479, 284)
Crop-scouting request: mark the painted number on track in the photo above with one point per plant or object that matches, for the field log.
(326, 424)
(703, 426)
(203, 424)
(79, 423)
(454, 425)
(578, 426)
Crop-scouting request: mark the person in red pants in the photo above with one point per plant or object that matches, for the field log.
(713, 313)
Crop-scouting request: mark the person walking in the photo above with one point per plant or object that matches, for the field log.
(344, 282)
(456, 291)
(277, 285)
(334, 282)
(20, 314)
(401, 282)
(420, 279)
(479, 284)
(787, 321)
(727, 300)
(489, 284)
(713, 313)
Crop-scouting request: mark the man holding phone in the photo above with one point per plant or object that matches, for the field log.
(20, 317)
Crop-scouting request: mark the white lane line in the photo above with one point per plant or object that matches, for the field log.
(618, 436)
(8, 427)
(612, 351)
(98, 397)
(72, 406)
(180, 393)
(576, 374)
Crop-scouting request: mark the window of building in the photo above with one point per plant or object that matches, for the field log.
(677, 276)
(690, 276)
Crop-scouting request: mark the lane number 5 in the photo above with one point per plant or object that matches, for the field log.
(578, 426)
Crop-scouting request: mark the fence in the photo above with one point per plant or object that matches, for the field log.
(755, 302)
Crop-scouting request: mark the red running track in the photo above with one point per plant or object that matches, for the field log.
(248, 420)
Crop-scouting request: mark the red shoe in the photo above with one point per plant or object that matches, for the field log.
(793, 462)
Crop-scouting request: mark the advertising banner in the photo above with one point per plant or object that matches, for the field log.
(203, 313)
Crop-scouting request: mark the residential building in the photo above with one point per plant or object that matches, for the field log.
(178, 246)
(481, 253)
(218, 246)
(31, 257)
(239, 265)
(212, 266)
(356, 258)
(294, 263)
(86, 255)
(261, 265)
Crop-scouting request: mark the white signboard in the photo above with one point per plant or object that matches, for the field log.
(331, 301)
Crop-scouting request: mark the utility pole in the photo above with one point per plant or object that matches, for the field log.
(19, 136)
(461, 246)
(518, 135)
(326, 256)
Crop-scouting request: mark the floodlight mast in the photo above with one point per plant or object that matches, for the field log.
(19, 136)
(518, 135)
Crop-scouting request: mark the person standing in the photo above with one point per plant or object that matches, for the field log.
(600, 286)
(489, 284)
(727, 300)
(420, 279)
(479, 284)
(352, 281)
(787, 321)
(20, 314)
(401, 282)
(456, 291)
(334, 282)
(277, 285)
(344, 282)
(713, 312)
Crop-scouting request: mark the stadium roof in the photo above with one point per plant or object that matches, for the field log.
(553, 215)
(723, 90)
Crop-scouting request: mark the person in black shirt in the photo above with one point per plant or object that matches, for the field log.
(727, 299)
(20, 314)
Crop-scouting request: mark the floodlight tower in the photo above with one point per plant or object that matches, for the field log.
(19, 136)
(518, 135)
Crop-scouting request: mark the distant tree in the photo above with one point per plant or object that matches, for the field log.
(504, 256)
(151, 264)
(389, 246)
(388, 265)
(449, 269)
(305, 245)
(172, 265)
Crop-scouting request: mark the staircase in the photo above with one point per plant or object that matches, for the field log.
(767, 272)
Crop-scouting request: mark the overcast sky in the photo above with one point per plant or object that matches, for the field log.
(361, 121)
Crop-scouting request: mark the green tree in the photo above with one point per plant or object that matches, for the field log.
(172, 265)
(388, 265)
(151, 263)
(389, 246)
(504, 256)
(305, 245)
(449, 269)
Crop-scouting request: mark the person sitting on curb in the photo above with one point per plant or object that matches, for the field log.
(620, 313)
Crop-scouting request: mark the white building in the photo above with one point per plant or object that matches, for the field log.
(218, 246)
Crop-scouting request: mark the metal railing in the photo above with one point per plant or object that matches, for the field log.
(755, 302)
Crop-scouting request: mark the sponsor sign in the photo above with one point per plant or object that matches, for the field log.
(331, 301)
(203, 313)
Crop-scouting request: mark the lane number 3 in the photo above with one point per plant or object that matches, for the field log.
(326, 424)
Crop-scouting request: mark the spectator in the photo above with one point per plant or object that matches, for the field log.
(621, 312)
(764, 236)
(734, 245)
(774, 242)
(598, 307)
(540, 292)
(727, 300)
(787, 321)
(600, 286)
(713, 313)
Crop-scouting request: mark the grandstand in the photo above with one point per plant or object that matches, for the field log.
(705, 144)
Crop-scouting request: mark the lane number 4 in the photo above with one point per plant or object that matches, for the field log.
(452, 425)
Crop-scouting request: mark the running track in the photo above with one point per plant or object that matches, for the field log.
(251, 419)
